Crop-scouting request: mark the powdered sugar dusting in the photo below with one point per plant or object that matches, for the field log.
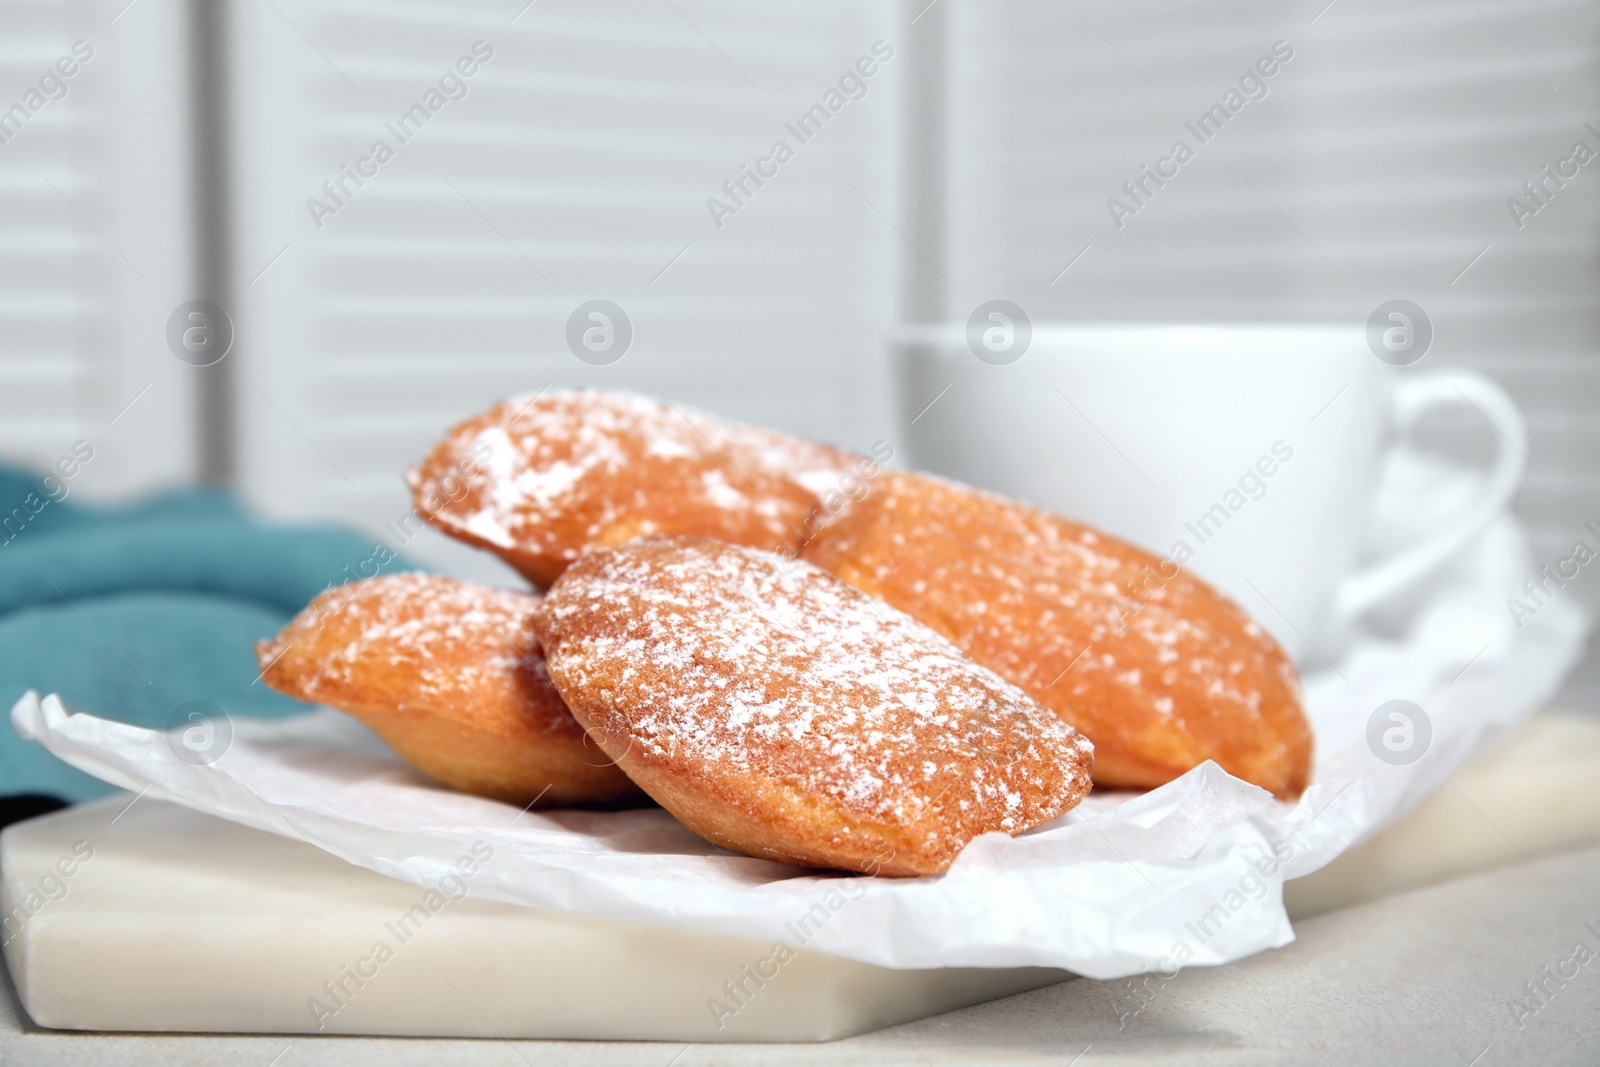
(553, 475)
(731, 659)
(454, 644)
(1125, 645)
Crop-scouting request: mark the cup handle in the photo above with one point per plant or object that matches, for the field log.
(1414, 398)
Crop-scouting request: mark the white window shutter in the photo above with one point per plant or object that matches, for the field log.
(95, 241)
(577, 166)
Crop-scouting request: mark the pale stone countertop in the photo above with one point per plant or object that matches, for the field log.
(1427, 977)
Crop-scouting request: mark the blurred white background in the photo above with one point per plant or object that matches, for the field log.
(578, 165)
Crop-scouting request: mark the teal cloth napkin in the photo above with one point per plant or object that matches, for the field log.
(129, 612)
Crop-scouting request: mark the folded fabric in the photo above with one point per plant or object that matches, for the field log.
(276, 567)
(136, 610)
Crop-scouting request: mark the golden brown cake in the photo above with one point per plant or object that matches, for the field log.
(779, 712)
(539, 481)
(1161, 671)
(449, 674)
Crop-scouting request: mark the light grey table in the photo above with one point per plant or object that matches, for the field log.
(1428, 977)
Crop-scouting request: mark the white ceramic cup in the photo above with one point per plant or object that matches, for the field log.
(1249, 454)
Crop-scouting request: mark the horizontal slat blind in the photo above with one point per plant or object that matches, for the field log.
(577, 166)
(94, 240)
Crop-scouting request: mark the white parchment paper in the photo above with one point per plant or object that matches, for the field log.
(1189, 874)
